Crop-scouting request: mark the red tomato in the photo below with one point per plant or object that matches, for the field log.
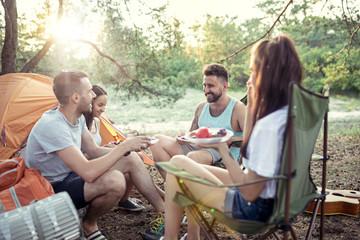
(203, 132)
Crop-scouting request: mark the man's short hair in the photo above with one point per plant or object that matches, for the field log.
(66, 83)
(216, 69)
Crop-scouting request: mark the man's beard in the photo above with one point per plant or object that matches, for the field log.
(85, 108)
(214, 98)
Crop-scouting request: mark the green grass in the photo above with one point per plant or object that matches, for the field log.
(149, 119)
(344, 103)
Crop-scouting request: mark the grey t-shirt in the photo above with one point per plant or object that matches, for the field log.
(52, 133)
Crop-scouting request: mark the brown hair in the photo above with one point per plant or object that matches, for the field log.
(276, 64)
(66, 83)
(89, 118)
(218, 70)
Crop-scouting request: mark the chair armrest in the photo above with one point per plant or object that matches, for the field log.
(182, 174)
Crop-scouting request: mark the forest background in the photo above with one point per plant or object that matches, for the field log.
(161, 61)
(150, 65)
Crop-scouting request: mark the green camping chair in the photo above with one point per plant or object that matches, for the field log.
(295, 186)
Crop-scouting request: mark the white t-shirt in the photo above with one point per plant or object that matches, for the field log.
(96, 135)
(265, 148)
(53, 132)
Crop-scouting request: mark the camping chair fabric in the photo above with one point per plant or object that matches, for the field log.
(306, 112)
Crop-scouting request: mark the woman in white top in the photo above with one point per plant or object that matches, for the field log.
(274, 64)
(93, 124)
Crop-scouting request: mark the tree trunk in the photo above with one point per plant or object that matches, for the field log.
(35, 60)
(8, 55)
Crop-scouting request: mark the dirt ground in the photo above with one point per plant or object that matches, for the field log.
(342, 173)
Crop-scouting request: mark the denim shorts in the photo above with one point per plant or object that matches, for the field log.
(188, 147)
(237, 207)
(74, 186)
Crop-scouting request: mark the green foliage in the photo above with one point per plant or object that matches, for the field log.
(322, 44)
(151, 60)
(158, 64)
(344, 76)
(222, 37)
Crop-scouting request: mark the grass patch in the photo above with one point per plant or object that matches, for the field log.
(348, 127)
(344, 103)
(148, 119)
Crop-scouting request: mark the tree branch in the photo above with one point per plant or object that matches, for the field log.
(36, 59)
(267, 33)
(121, 68)
(349, 45)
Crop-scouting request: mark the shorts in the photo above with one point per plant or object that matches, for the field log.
(237, 207)
(188, 147)
(74, 186)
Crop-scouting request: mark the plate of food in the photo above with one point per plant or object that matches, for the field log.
(206, 135)
(182, 139)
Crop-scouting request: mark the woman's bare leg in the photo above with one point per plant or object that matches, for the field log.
(210, 196)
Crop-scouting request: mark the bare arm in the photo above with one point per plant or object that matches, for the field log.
(250, 192)
(195, 122)
(237, 175)
(106, 157)
(249, 115)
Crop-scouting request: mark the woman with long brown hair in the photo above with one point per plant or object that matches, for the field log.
(93, 123)
(274, 64)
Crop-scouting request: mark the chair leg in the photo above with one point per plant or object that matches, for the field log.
(313, 218)
(268, 233)
(204, 226)
(273, 231)
(276, 236)
(293, 234)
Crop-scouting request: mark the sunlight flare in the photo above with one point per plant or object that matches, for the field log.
(68, 28)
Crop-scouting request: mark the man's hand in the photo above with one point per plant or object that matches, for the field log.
(180, 138)
(136, 143)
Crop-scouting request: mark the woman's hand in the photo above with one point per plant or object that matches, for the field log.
(250, 93)
(221, 147)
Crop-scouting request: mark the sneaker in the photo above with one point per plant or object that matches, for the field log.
(184, 220)
(130, 205)
(156, 230)
(184, 237)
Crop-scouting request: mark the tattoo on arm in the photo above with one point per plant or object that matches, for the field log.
(194, 124)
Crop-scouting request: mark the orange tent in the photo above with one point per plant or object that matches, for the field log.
(24, 98)
(113, 134)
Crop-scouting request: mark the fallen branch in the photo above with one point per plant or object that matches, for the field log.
(267, 33)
